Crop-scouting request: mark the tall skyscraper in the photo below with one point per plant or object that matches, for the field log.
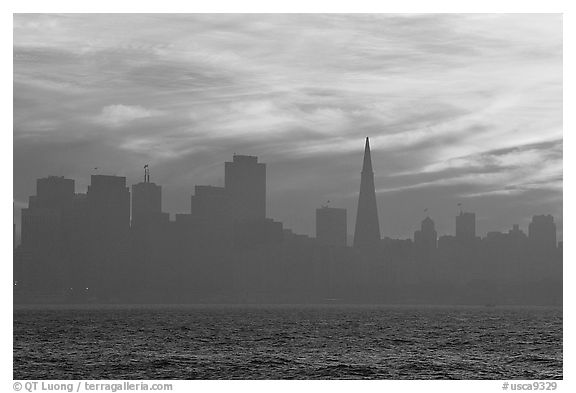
(47, 234)
(331, 226)
(109, 203)
(367, 231)
(45, 215)
(425, 239)
(465, 227)
(146, 202)
(53, 192)
(542, 232)
(245, 181)
(517, 236)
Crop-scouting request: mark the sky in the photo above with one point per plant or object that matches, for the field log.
(460, 109)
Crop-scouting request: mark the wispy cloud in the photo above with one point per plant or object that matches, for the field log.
(118, 115)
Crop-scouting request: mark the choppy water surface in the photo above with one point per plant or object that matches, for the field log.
(287, 342)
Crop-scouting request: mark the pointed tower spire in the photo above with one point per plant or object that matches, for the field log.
(367, 165)
(367, 232)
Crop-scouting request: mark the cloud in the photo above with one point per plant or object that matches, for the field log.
(118, 115)
(507, 171)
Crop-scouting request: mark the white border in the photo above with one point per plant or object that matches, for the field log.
(243, 6)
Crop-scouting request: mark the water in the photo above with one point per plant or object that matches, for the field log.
(287, 342)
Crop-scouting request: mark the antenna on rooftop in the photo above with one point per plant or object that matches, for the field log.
(146, 174)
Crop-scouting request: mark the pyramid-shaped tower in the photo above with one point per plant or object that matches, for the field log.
(367, 232)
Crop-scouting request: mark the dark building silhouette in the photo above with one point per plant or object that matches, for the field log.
(44, 213)
(542, 232)
(78, 244)
(46, 232)
(245, 181)
(446, 242)
(151, 240)
(425, 239)
(109, 203)
(496, 236)
(367, 231)
(465, 227)
(517, 237)
(53, 192)
(331, 227)
(211, 203)
(212, 208)
(516, 231)
(147, 203)
(109, 224)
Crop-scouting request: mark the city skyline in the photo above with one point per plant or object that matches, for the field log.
(149, 195)
(88, 247)
(367, 162)
(459, 109)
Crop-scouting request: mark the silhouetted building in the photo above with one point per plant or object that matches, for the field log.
(109, 219)
(52, 192)
(496, 236)
(211, 204)
(331, 228)
(465, 227)
(39, 224)
(517, 237)
(146, 202)
(44, 217)
(212, 208)
(54, 195)
(447, 245)
(47, 234)
(245, 180)
(542, 232)
(367, 231)
(425, 239)
(109, 203)
(516, 231)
